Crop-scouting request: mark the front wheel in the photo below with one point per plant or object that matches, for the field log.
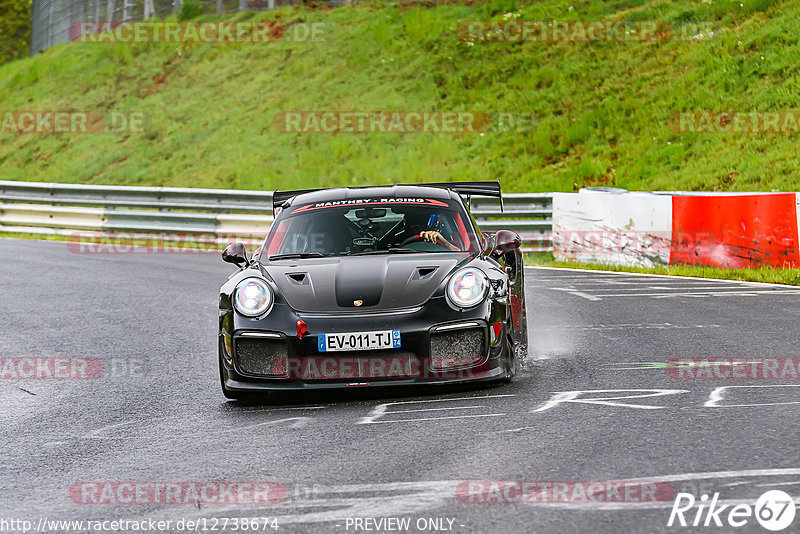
(511, 362)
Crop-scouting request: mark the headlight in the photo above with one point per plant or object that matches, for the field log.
(467, 288)
(252, 297)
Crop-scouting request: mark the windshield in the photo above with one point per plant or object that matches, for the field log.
(380, 227)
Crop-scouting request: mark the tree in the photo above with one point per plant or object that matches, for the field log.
(15, 29)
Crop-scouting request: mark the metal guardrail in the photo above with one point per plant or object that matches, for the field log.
(528, 214)
(162, 198)
(66, 209)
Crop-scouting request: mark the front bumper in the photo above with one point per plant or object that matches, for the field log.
(439, 345)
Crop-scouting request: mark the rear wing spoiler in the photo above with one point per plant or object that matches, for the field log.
(467, 189)
(484, 189)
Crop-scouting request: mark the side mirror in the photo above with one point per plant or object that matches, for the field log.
(235, 253)
(488, 243)
(506, 241)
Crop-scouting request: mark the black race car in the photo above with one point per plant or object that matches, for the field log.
(373, 286)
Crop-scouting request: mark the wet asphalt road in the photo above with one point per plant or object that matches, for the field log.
(157, 414)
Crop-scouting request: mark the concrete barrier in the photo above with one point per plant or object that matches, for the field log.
(645, 229)
(620, 228)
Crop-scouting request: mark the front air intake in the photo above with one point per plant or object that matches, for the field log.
(455, 349)
(262, 357)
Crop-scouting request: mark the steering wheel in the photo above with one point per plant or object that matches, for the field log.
(412, 239)
(419, 239)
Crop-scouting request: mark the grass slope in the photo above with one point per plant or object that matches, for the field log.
(601, 108)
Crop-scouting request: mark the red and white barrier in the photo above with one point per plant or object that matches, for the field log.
(645, 229)
(621, 228)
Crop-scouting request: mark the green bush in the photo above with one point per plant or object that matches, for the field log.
(190, 10)
(15, 29)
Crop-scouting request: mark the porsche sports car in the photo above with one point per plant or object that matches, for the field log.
(373, 287)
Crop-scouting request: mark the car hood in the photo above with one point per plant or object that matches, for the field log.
(361, 282)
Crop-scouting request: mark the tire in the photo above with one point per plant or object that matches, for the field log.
(524, 324)
(511, 360)
(524, 309)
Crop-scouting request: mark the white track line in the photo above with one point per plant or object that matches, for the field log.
(731, 293)
(433, 418)
(437, 409)
(581, 294)
(617, 273)
(338, 502)
(656, 288)
(449, 399)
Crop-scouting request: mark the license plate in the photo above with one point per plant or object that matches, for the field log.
(384, 339)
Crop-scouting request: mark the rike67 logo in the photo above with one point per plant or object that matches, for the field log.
(774, 510)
